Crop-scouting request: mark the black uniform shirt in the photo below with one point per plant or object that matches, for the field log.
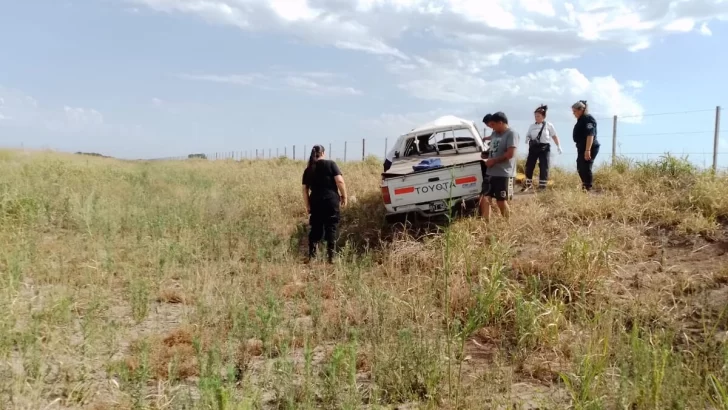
(321, 181)
(585, 126)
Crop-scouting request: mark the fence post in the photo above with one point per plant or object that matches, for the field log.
(294, 152)
(716, 139)
(614, 140)
(345, 151)
(363, 148)
(331, 153)
(269, 151)
(277, 154)
(256, 153)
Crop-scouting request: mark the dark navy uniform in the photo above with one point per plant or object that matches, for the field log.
(585, 126)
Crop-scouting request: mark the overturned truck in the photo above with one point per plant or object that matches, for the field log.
(433, 169)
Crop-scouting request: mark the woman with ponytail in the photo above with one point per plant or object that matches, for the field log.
(324, 192)
(539, 137)
(587, 145)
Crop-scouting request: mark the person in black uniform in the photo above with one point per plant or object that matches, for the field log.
(587, 144)
(324, 192)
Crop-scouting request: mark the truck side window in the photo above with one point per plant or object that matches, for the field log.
(410, 148)
(422, 144)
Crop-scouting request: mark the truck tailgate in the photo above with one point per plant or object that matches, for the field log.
(461, 180)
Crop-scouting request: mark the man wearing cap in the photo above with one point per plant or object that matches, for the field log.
(501, 165)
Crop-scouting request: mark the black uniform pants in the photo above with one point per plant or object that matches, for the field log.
(324, 221)
(584, 167)
(541, 153)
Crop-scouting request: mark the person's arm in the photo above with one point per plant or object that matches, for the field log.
(306, 199)
(591, 129)
(510, 152)
(340, 184)
(555, 137)
(342, 189)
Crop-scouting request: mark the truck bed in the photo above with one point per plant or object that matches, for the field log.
(434, 191)
(403, 166)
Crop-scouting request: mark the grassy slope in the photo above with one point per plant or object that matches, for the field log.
(179, 285)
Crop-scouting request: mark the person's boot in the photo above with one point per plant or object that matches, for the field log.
(527, 185)
(311, 253)
(330, 254)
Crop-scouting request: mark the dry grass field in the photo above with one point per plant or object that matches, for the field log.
(179, 285)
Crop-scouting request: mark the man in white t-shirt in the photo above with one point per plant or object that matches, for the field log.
(539, 137)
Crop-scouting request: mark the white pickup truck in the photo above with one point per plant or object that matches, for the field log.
(455, 181)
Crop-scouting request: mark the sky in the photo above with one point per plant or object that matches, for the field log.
(165, 78)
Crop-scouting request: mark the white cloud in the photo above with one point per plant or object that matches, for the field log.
(476, 52)
(303, 83)
(642, 45)
(635, 85)
(246, 79)
(705, 30)
(544, 7)
(80, 117)
(536, 27)
(399, 123)
(17, 107)
(683, 25)
(21, 110)
(557, 88)
(298, 17)
(314, 83)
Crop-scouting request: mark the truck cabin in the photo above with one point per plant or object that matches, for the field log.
(443, 143)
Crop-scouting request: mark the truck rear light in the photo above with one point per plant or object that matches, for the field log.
(385, 195)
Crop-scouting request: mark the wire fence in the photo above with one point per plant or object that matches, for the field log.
(695, 135)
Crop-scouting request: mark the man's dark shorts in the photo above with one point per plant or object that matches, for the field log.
(498, 188)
